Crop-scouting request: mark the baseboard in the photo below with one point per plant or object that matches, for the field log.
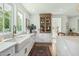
(49, 43)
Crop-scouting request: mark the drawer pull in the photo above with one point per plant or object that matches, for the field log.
(25, 50)
(8, 54)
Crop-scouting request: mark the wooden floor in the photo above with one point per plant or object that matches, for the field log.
(41, 49)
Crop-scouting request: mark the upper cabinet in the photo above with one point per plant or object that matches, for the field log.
(45, 23)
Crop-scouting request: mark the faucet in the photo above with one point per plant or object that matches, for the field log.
(14, 30)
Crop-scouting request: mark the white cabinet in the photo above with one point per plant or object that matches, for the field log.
(67, 46)
(29, 46)
(8, 52)
(24, 51)
(24, 47)
(61, 48)
(73, 45)
(7, 48)
(43, 37)
(21, 46)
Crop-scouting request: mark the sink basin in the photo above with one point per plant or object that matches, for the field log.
(1, 39)
(21, 38)
(21, 41)
(6, 40)
(1, 42)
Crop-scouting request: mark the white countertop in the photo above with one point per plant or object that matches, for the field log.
(6, 45)
(21, 38)
(68, 44)
(18, 40)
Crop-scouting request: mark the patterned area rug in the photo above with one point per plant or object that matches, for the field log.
(40, 51)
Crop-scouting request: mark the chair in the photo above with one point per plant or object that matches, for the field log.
(61, 34)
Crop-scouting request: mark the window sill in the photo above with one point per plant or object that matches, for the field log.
(18, 33)
(5, 33)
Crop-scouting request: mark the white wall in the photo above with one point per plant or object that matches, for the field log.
(74, 24)
(59, 21)
(56, 22)
(64, 23)
(35, 19)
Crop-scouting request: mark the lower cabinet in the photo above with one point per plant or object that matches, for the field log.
(62, 48)
(43, 37)
(8, 52)
(22, 52)
(21, 49)
(29, 47)
(26, 48)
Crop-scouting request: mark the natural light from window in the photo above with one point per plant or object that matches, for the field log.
(5, 17)
(19, 21)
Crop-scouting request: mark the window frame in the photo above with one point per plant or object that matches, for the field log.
(2, 19)
(20, 11)
(11, 21)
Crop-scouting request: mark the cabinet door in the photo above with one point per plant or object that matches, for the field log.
(62, 48)
(43, 37)
(73, 46)
(8, 52)
(45, 23)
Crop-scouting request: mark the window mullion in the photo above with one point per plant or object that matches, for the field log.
(1, 24)
(3, 17)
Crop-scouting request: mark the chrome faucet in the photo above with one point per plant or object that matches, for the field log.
(14, 30)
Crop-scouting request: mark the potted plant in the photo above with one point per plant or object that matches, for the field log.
(31, 27)
(70, 30)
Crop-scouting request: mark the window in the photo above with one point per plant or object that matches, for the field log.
(57, 23)
(5, 17)
(1, 18)
(19, 21)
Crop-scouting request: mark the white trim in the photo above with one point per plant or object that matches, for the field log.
(21, 11)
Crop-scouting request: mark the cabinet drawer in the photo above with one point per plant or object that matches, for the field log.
(8, 52)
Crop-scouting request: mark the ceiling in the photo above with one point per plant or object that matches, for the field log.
(54, 8)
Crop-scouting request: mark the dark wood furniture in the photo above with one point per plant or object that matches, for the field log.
(61, 34)
(45, 23)
(73, 34)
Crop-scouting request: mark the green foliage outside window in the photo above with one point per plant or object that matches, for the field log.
(1, 24)
(0, 8)
(19, 21)
(19, 27)
(1, 20)
(5, 18)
